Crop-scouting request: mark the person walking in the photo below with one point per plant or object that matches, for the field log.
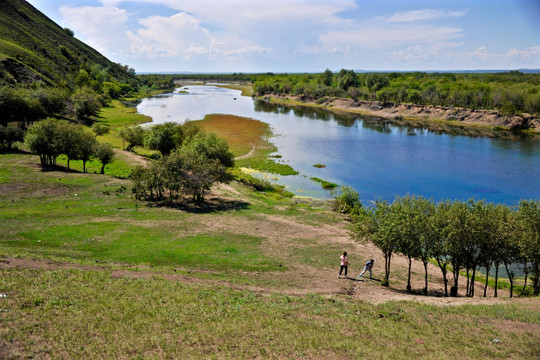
(368, 267)
(344, 264)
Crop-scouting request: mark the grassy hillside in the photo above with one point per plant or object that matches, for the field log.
(33, 47)
(86, 271)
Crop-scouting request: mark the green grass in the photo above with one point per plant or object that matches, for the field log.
(91, 315)
(116, 114)
(325, 184)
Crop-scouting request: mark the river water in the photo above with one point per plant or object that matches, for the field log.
(375, 157)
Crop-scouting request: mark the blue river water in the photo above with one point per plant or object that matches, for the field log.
(378, 159)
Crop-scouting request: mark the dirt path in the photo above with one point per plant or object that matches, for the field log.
(249, 154)
(131, 157)
(323, 283)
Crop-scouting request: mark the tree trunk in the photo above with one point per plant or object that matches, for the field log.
(536, 278)
(68, 162)
(510, 278)
(467, 289)
(487, 277)
(442, 266)
(525, 284)
(102, 169)
(84, 166)
(426, 278)
(409, 277)
(471, 290)
(454, 288)
(496, 277)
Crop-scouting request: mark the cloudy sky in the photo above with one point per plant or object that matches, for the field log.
(305, 35)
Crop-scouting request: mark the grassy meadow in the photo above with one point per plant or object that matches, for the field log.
(88, 272)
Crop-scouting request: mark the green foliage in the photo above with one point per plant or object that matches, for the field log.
(43, 139)
(134, 136)
(325, 184)
(193, 169)
(164, 138)
(209, 146)
(100, 129)
(86, 102)
(346, 200)
(105, 154)
(467, 235)
(508, 92)
(8, 136)
(69, 32)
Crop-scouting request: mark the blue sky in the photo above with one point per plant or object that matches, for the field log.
(305, 35)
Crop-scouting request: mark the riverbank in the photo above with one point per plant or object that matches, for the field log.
(438, 118)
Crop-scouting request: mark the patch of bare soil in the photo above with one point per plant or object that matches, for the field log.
(131, 157)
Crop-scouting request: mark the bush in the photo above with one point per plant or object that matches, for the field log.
(346, 201)
(8, 136)
(100, 129)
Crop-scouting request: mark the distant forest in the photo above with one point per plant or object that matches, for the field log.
(509, 92)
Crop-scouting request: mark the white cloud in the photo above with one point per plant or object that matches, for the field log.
(519, 56)
(179, 35)
(104, 27)
(380, 37)
(424, 15)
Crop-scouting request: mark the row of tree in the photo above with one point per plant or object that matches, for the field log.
(192, 161)
(509, 92)
(456, 235)
(51, 138)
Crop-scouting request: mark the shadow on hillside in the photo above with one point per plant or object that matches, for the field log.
(208, 206)
(420, 292)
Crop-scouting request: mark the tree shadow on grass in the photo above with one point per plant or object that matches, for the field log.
(211, 205)
(420, 292)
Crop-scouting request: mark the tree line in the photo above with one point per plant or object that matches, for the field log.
(51, 138)
(456, 235)
(79, 99)
(509, 92)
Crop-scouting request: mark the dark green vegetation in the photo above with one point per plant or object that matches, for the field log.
(457, 235)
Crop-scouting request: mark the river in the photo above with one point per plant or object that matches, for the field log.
(375, 157)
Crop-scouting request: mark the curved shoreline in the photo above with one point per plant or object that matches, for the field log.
(488, 123)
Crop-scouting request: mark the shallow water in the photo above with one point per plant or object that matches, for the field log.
(375, 157)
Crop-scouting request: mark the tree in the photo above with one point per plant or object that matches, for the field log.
(164, 138)
(406, 222)
(134, 136)
(211, 146)
(377, 224)
(85, 102)
(459, 233)
(326, 77)
(438, 234)
(529, 215)
(86, 147)
(43, 139)
(70, 137)
(10, 135)
(105, 154)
